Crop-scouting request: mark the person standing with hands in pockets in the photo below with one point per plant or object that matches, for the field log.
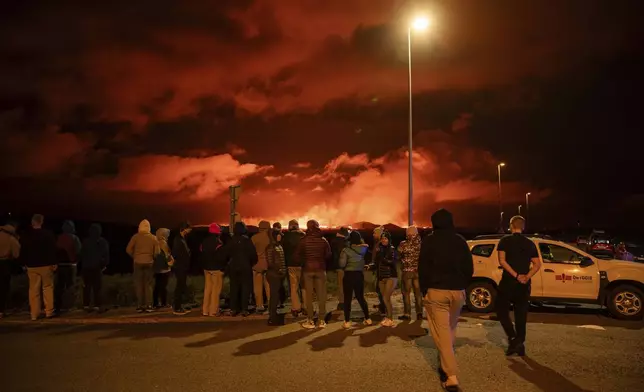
(520, 261)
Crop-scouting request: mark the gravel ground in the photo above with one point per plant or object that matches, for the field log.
(196, 354)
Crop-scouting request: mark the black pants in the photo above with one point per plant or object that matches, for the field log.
(160, 292)
(5, 283)
(65, 275)
(92, 283)
(513, 292)
(241, 283)
(180, 288)
(353, 283)
(274, 282)
(381, 303)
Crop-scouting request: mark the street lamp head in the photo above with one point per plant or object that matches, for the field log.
(528, 194)
(501, 164)
(420, 23)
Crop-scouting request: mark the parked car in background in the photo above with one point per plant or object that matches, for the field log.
(600, 245)
(567, 275)
(581, 241)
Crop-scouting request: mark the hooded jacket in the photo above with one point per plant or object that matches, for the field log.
(386, 259)
(240, 250)
(290, 241)
(313, 251)
(276, 259)
(409, 250)
(445, 259)
(163, 260)
(95, 253)
(9, 244)
(261, 241)
(38, 248)
(143, 246)
(213, 255)
(352, 257)
(68, 246)
(338, 243)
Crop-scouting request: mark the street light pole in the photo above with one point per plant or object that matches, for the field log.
(527, 206)
(410, 137)
(520, 209)
(499, 166)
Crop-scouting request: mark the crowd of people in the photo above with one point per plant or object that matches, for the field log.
(435, 269)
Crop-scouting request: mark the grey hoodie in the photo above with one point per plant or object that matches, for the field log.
(352, 258)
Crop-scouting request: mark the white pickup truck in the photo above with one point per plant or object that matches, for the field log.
(567, 275)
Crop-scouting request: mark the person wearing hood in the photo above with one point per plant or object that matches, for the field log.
(9, 252)
(387, 274)
(352, 263)
(163, 261)
(214, 262)
(94, 258)
(181, 255)
(409, 252)
(314, 252)
(38, 253)
(143, 248)
(338, 244)
(377, 233)
(276, 273)
(68, 247)
(242, 256)
(445, 268)
(261, 241)
(290, 242)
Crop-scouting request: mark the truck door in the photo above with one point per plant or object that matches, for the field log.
(564, 275)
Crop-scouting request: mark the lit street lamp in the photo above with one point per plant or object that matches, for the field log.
(498, 167)
(527, 207)
(418, 24)
(520, 209)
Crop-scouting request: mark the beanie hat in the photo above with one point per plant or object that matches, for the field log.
(312, 224)
(277, 226)
(293, 225)
(214, 229)
(355, 238)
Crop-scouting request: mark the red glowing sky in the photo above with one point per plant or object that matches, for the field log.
(133, 110)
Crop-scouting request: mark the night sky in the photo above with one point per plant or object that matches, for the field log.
(124, 110)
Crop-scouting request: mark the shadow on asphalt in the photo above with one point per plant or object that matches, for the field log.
(334, 339)
(570, 315)
(263, 346)
(405, 331)
(542, 376)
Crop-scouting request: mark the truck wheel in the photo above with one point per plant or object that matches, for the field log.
(626, 303)
(481, 297)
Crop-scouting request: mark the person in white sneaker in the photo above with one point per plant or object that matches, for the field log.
(387, 275)
(351, 261)
(314, 252)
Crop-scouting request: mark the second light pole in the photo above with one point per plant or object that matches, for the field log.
(498, 167)
(420, 23)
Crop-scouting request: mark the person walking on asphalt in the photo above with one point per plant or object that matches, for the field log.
(214, 262)
(314, 251)
(445, 269)
(181, 255)
(387, 274)
(520, 261)
(352, 262)
(260, 282)
(290, 243)
(338, 243)
(163, 262)
(409, 252)
(94, 258)
(143, 248)
(276, 273)
(39, 256)
(377, 233)
(243, 256)
(9, 252)
(68, 247)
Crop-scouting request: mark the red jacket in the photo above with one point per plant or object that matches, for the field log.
(313, 251)
(68, 247)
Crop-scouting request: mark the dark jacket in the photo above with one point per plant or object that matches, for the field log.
(276, 259)
(386, 262)
(313, 251)
(38, 248)
(181, 254)
(68, 245)
(240, 250)
(338, 243)
(95, 253)
(445, 259)
(213, 256)
(290, 242)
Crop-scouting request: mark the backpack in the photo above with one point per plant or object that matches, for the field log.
(160, 262)
(276, 259)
